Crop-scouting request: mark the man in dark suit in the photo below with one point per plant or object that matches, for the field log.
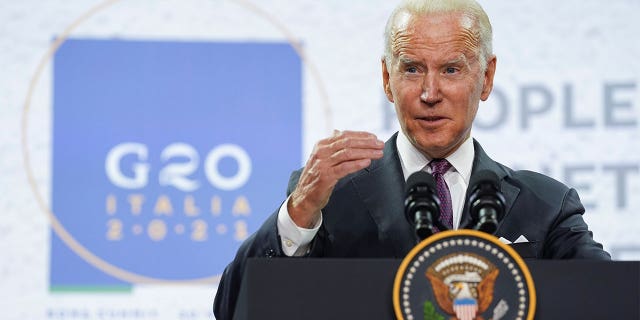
(348, 199)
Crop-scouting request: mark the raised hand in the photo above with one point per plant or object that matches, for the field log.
(332, 158)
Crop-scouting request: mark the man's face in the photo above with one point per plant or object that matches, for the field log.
(436, 81)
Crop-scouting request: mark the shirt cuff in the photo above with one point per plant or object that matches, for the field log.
(295, 240)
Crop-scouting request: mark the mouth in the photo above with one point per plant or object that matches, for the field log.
(431, 120)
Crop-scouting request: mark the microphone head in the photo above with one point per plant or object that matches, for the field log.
(421, 204)
(484, 177)
(486, 202)
(420, 179)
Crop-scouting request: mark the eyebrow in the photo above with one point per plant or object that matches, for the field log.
(460, 59)
(405, 60)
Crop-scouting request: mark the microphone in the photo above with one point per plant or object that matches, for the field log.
(486, 201)
(422, 206)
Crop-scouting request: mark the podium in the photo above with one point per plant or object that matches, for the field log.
(301, 288)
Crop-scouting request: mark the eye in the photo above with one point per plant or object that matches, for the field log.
(412, 69)
(450, 70)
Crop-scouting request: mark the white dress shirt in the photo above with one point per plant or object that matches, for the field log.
(296, 240)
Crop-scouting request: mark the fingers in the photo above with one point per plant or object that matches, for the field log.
(344, 153)
(333, 158)
(348, 167)
(349, 140)
(351, 154)
(358, 135)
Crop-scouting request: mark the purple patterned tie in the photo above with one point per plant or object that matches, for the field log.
(438, 168)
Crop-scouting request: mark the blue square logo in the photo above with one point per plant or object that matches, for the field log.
(167, 155)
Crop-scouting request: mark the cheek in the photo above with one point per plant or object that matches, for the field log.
(408, 105)
(466, 93)
(403, 114)
(408, 94)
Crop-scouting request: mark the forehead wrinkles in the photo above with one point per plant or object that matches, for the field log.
(422, 33)
(401, 41)
(469, 34)
(401, 34)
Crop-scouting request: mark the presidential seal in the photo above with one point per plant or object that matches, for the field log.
(464, 275)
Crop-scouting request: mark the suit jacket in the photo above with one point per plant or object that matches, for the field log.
(365, 218)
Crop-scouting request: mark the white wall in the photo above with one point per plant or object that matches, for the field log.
(579, 58)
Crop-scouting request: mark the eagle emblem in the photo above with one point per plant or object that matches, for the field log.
(470, 275)
(463, 284)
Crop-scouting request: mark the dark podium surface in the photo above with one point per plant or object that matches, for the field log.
(290, 288)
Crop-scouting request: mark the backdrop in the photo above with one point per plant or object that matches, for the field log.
(142, 141)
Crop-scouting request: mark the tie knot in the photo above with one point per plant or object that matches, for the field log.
(439, 166)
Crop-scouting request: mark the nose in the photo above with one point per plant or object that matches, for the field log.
(430, 90)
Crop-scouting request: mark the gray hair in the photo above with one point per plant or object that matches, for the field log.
(469, 8)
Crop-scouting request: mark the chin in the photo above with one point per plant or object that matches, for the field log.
(434, 150)
(435, 145)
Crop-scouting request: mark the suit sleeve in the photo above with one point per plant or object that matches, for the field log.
(264, 243)
(569, 236)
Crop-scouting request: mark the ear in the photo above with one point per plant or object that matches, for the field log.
(487, 84)
(385, 80)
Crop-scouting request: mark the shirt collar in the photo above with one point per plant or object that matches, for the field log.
(413, 160)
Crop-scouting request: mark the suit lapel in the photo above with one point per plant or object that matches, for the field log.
(382, 190)
(481, 162)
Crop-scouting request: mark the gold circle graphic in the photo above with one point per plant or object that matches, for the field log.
(56, 225)
(462, 232)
